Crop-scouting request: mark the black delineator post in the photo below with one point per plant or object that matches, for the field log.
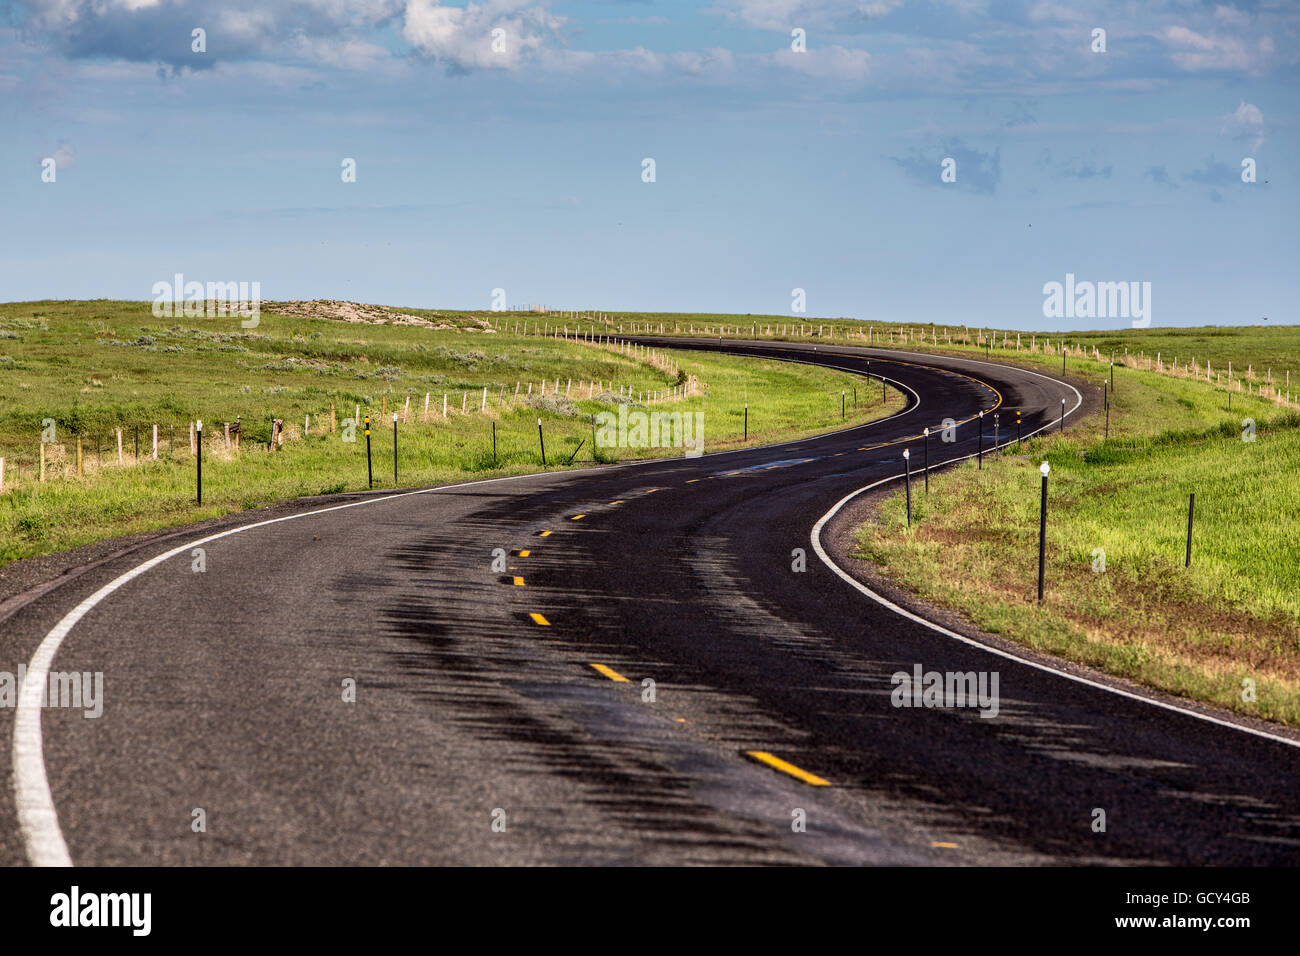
(370, 474)
(1106, 394)
(199, 458)
(927, 461)
(137, 442)
(1062, 415)
(844, 412)
(855, 396)
(541, 440)
(883, 394)
(907, 465)
(394, 447)
(1042, 531)
(1112, 373)
(494, 444)
(981, 451)
(1017, 431)
(1063, 356)
(996, 451)
(747, 421)
(1191, 509)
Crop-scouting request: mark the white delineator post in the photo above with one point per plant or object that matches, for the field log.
(155, 443)
(2, 475)
(119, 446)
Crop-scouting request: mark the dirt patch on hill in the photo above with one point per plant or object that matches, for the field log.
(358, 312)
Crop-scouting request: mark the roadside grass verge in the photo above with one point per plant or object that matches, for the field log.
(1216, 632)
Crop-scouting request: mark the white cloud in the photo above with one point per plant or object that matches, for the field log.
(1246, 123)
(1198, 51)
(65, 157)
(462, 36)
(828, 62)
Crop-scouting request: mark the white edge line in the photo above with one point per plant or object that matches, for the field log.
(38, 819)
(885, 602)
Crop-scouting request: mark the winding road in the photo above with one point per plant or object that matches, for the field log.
(505, 716)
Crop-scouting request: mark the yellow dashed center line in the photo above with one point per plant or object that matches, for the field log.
(538, 619)
(611, 673)
(618, 502)
(653, 490)
(524, 554)
(577, 517)
(691, 481)
(519, 582)
(777, 763)
(542, 534)
(946, 846)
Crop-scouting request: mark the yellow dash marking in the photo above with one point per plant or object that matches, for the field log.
(542, 534)
(610, 673)
(519, 582)
(680, 720)
(653, 490)
(779, 764)
(618, 502)
(577, 517)
(538, 619)
(946, 846)
(691, 481)
(524, 554)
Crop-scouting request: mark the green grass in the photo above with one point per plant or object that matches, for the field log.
(1254, 349)
(1198, 631)
(92, 367)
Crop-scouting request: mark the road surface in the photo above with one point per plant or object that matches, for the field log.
(503, 717)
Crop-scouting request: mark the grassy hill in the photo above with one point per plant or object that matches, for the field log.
(74, 373)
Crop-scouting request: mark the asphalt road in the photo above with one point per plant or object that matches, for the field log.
(477, 701)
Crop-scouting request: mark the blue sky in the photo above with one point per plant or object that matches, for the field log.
(521, 168)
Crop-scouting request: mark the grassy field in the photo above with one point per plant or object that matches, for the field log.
(1255, 351)
(1118, 595)
(89, 368)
